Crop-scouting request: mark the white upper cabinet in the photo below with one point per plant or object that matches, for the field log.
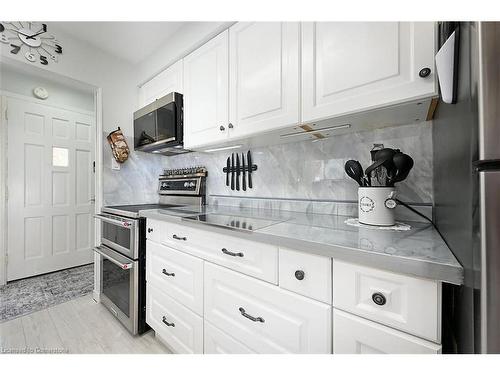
(353, 66)
(170, 80)
(206, 93)
(264, 76)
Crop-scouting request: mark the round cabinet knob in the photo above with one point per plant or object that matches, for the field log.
(150, 230)
(379, 299)
(299, 275)
(230, 126)
(222, 128)
(424, 72)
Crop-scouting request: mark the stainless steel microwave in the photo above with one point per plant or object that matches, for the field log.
(158, 127)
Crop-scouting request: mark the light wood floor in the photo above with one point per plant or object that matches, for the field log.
(77, 326)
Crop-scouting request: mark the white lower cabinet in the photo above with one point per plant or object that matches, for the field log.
(406, 303)
(177, 274)
(218, 342)
(178, 327)
(211, 293)
(264, 317)
(355, 335)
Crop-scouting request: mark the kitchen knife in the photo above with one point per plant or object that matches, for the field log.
(250, 165)
(232, 171)
(243, 180)
(238, 172)
(227, 171)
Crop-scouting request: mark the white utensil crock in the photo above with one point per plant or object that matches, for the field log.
(376, 205)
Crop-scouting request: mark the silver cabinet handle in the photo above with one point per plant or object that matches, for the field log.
(227, 252)
(164, 271)
(222, 128)
(124, 266)
(164, 320)
(230, 126)
(253, 319)
(176, 237)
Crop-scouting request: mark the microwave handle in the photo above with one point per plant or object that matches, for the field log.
(124, 266)
(125, 224)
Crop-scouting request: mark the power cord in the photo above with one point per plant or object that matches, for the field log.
(415, 211)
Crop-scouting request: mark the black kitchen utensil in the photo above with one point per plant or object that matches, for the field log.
(250, 167)
(354, 170)
(402, 165)
(228, 167)
(243, 180)
(232, 171)
(387, 167)
(238, 172)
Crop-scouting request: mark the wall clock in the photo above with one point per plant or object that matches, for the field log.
(32, 40)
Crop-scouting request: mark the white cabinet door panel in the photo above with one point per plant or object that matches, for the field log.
(407, 303)
(306, 274)
(155, 230)
(264, 317)
(180, 328)
(177, 274)
(354, 335)
(170, 80)
(218, 342)
(206, 93)
(353, 66)
(263, 76)
(239, 253)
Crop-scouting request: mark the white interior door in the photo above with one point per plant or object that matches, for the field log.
(50, 188)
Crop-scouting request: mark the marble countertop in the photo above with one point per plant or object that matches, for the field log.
(419, 251)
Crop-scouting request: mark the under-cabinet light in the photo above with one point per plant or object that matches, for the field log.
(223, 148)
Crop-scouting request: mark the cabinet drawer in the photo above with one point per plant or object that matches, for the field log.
(180, 328)
(177, 274)
(218, 342)
(251, 258)
(306, 274)
(410, 304)
(154, 230)
(264, 317)
(354, 335)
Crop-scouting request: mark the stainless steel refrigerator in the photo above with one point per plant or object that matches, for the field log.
(466, 143)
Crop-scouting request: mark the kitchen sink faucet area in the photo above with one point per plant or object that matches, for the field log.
(307, 184)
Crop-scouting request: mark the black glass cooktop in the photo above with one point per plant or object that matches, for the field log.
(234, 222)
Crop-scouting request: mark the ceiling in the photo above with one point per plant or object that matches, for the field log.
(131, 41)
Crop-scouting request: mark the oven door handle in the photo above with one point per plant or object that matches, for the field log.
(125, 266)
(126, 224)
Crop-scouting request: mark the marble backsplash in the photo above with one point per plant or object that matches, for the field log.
(137, 180)
(315, 170)
(296, 171)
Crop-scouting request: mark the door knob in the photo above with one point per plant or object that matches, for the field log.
(150, 230)
(230, 126)
(222, 128)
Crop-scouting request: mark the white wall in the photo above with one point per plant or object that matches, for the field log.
(22, 83)
(82, 62)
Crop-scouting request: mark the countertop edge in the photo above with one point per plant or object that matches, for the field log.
(392, 263)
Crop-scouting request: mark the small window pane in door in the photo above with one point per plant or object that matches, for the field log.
(60, 157)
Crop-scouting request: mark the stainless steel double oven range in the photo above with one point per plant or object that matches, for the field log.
(122, 253)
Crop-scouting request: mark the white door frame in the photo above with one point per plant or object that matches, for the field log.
(3, 167)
